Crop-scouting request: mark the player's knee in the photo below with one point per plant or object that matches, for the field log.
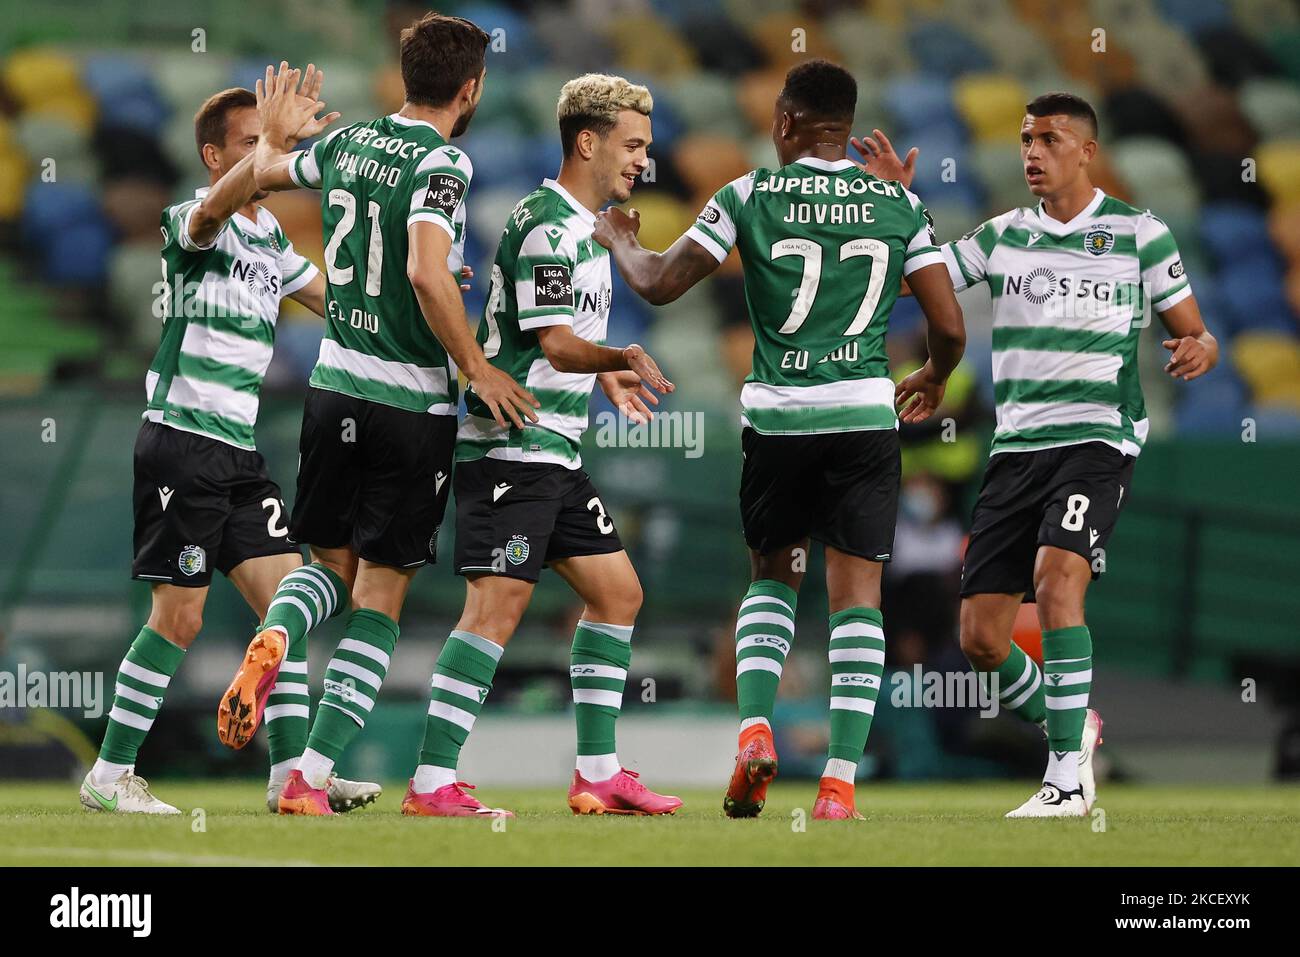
(1060, 600)
(981, 644)
(180, 625)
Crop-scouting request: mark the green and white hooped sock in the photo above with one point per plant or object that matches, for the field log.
(352, 682)
(1067, 673)
(142, 680)
(857, 658)
(1020, 686)
(598, 664)
(764, 635)
(306, 597)
(461, 681)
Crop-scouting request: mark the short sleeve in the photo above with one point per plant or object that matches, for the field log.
(1161, 267)
(967, 258)
(715, 227)
(439, 187)
(305, 166)
(296, 271)
(544, 277)
(922, 249)
(176, 227)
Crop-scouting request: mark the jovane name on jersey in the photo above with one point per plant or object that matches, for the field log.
(799, 359)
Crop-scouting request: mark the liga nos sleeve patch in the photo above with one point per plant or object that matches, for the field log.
(552, 285)
(444, 193)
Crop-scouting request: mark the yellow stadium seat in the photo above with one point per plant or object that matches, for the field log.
(992, 104)
(1279, 169)
(37, 75)
(645, 44)
(14, 171)
(663, 219)
(1284, 227)
(1269, 362)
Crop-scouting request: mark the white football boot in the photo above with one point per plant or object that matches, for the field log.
(1091, 740)
(344, 795)
(1051, 801)
(129, 794)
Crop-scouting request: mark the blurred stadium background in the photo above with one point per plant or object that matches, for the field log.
(1200, 106)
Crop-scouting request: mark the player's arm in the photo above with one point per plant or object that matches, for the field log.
(658, 278)
(945, 338)
(289, 116)
(567, 352)
(312, 295)
(438, 292)
(232, 192)
(1193, 349)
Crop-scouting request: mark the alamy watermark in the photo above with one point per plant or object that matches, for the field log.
(667, 430)
(919, 688)
(82, 690)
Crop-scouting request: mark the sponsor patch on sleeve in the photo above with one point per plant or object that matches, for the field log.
(552, 285)
(710, 214)
(444, 193)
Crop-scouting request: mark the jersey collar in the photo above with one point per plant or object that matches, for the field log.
(401, 120)
(1058, 228)
(826, 166)
(584, 214)
(204, 190)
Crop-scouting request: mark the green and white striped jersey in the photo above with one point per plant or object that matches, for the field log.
(823, 246)
(1069, 301)
(376, 179)
(548, 271)
(221, 305)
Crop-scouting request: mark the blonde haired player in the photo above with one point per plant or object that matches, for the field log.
(523, 500)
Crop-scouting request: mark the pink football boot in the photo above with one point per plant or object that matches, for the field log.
(450, 800)
(835, 801)
(299, 797)
(621, 794)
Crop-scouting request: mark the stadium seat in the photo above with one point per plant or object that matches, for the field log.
(126, 93)
(992, 105)
(1137, 112)
(705, 101)
(1235, 233)
(944, 49)
(1194, 16)
(1279, 169)
(1272, 106)
(1253, 297)
(874, 50)
(1157, 174)
(1269, 363)
(1284, 229)
(921, 100)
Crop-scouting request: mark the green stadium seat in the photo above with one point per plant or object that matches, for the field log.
(1157, 174)
(1272, 106)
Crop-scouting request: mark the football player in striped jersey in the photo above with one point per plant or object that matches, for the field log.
(1073, 281)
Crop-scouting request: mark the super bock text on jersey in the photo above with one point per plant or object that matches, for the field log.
(379, 428)
(824, 246)
(202, 496)
(1069, 303)
(522, 497)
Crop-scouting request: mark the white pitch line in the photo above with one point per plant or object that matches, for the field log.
(155, 857)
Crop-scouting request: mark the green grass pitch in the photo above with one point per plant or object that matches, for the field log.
(920, 824)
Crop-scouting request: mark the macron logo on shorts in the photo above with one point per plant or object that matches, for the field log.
(500, 490)
(165, 494)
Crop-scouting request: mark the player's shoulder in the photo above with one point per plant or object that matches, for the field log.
(545, 224)
(1142, 220)
(445, 157)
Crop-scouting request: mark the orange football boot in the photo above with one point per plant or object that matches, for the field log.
(755, 769)
(242, 705)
